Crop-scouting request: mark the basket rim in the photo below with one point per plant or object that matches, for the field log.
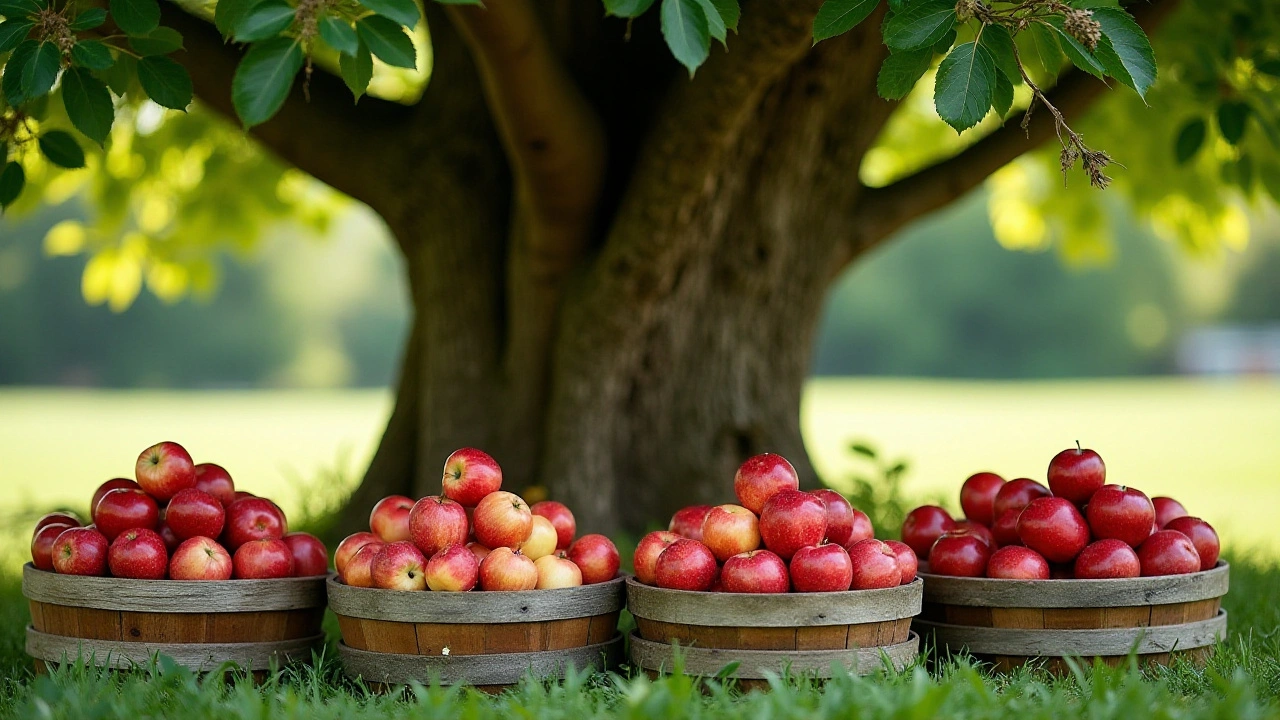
(1072, 593)
(476, 607)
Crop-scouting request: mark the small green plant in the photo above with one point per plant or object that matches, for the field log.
(877, 490)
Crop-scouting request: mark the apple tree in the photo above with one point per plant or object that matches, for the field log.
(619, 220)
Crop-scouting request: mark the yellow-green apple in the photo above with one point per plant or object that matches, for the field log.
(839, 515)
(310, 558)
(1017, 494)
(502, 519)
(195, 513)
(597, 557)
(139, 554)
(400, 566)
(348, 547)
(83, 551)
(874, 566)
(959, 553)
(108, 486)
(761, 477)
(389, 519)
(1167, 509)
(506, 569)
(480, 551)
(687, 521)
(253, 518)
(561, 517)
(436, 522)
(1107, 559)
(686, 565)
(359, 570)
(215, 480)
(791, 520)
(262, 559)
(124, 509)
(200, 558)
(1014, 562)
(1166, 552)
(755, 571)
(555, 572)
(1075, 474)
(541, 541)
(42, 544)
(823, 568)
(730, 530)
(163, 469)
(469, 475)
(978, 496)
(1120, 512)
(908, 563)
(1202, 535)
(453, 568)
(1053, 527)
(645, 558)
(923, 526)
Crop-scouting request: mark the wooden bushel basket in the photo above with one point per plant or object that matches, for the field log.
(1011, 622)
(801, 633)
(202, 625)
(486, 639)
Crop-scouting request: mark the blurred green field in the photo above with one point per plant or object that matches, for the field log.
(1214, 445)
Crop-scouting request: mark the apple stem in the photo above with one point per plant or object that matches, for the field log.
(1079, 450)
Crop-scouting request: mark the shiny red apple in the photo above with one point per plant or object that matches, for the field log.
(561, 518)
(453, 569)
(923, 526)
(215, 480)
(83, 551)
(1053, 527)
(310, 558)
(195, 513)
(1120, 512)
(469, 475)
(687, 522)
(1075, 474)
(1014, 562)
(686, 565)
(348, 547)
(506, 569)
(1017, 494)
(139, 554)
(959, 553)
(171, 541)
(389, 519)
(645, 558)
(821, 568)
(761, 477)
(435, 522)
(108, 486)
(875, 565)
(730, 530)
(839, 515)
(1005, 530)
(1166, 552)
(982, 531)
(791, 520)
(1167, 509)
(597, 557)
(163, 469)
(124, 509)
(399, 566)
(42, 545)
(908, 562)
(755, 571)
(1202, 535)
(1107, 559)
(359, 569)
(253, 518)
(262, 559)
(200, 558)
(978, 496)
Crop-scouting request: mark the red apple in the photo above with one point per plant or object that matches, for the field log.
(1014, 562)
(1107, 560)
(687, 522)
(561, 518)
(262, 559)
(978, 496)
(359, 570)
(755, 571)
(982, 531)
(164, 469)
(1075, 474)
(597, 557)
(1005, 531)
(730, 530)
(1202, 535)
(686, 565)
(1120, 512)
(821, 568)
(502, 519)
(215, 480)
(62, 517)
(348, 547)
(907, 560)
(171, 541)
(195, 513)
(481, 552)
(453, 569)
(1166, 552)
(139, 554)
(791, 520)
(959, 553)
(645, 558)
(200, 558)
(124, 509)
(1053, 527)
(1017, 494)
(862, 528)
(469, 475)
(436, 522)
(399, 566)
(83, 551)
(253, 518)
(242, 494)
(541, 541)
(42, 545)
(923, 526)
(506, 569)
(310, 558)
(389, 519)
(555, 572)
(839, 515)
(108, 486)
(874, 566)
(761, 477)
(1167, 509)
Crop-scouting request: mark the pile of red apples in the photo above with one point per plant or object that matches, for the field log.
(177, 520)
(473, 536)
(1078, 527)
(779, 539)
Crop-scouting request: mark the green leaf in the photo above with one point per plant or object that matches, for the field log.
(88, 104)
(897, 5)
(715, 24)
(89, 19)
(12, 178)
(627, 8)
(1040, 52)
(136, 17)
(1077, 53)
(92, 54)
(120, 76)
(357, 70)
(339, 34)
(942, 46)
(1190, 138)
(264, 77)
(901, 71)
(1124, 50)
(1232, 117)
(864, 450)
(963, 90)
(267, 19)
(404, 12)
(922, 24)
(62, 149)
(13, 32)
(387, 40)
(730, 12)
(20, 8)
(160, 41)
(227, 14)
(31, 71)
(1002, 95)
(165, 81)
(837, 17)
(685, 28)
(1269, 175)
(1270, 67)
(999, 43)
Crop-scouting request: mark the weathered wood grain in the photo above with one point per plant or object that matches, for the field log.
(791, 610)
(495, 669)
(1166, 590)
(476, 607)
(172, 596)
(1083, 643)
(201, 657)
(756, 664)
